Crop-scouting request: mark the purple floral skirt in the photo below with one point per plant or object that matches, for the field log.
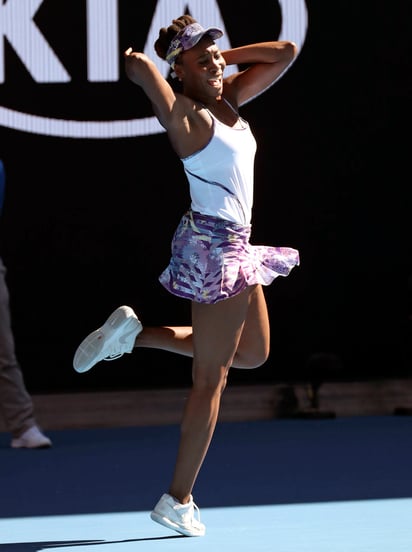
(213, 260)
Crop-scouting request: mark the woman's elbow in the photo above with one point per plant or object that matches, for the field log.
(290, 50)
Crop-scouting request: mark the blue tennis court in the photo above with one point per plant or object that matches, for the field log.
(338, 485)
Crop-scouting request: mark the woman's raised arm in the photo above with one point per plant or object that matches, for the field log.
(266, 61)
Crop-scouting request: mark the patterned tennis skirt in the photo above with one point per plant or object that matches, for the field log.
(213, 260)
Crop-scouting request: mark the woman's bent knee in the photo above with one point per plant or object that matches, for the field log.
(250, 361)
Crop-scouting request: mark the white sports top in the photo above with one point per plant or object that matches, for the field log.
(221, 175)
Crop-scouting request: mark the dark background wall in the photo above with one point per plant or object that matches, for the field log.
(87, 223)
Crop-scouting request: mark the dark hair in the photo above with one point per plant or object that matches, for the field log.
(166, 35)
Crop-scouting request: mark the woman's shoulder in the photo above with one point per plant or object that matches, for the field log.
(191, 126)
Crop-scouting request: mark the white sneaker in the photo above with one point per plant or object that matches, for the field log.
(110, 341)
(31, 438)
(179, 517)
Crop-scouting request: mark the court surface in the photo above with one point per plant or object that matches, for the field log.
(338, 485)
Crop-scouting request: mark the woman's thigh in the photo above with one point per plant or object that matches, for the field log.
(217, 330)
(234, 332)
(254, 343)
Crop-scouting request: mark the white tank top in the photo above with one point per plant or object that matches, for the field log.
(221, 175)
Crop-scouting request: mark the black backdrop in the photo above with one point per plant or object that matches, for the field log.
(87, 223)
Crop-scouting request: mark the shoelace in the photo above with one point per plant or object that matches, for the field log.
(196, 512)
(195, 517)
(116, 354)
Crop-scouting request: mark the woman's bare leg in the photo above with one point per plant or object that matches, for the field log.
(216, 333)
(253, 347)
(176, 339)
(254, 344)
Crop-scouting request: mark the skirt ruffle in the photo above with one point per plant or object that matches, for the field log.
(213, 260)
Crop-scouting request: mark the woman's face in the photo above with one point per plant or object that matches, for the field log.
(201, 69)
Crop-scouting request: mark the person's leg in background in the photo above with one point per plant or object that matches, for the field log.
(16, 404)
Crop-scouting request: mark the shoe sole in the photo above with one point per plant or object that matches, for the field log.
(44, 445)
(87, 353)
(174, 526)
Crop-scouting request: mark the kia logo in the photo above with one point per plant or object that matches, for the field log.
(45, 64)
